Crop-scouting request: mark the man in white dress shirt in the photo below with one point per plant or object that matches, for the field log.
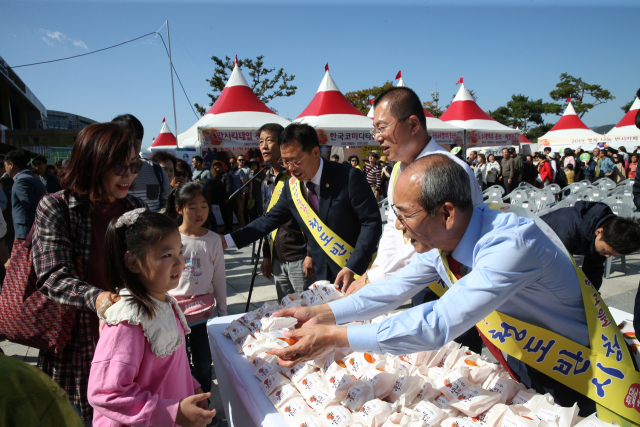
(401, 130)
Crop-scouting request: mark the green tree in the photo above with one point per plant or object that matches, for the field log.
(431, 107)
(584, 96)
(523, 112)
(536, 132)
(361, 98)
(264, 87)
(626, 107)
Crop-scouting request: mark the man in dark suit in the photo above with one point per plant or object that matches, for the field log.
(339, 195)
(26, 192)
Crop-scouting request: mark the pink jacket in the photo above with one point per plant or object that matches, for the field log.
(129, 385)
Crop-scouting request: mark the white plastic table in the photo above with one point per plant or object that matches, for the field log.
(244, 401)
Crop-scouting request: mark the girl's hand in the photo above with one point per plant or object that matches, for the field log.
(191, 415)
(204, 404)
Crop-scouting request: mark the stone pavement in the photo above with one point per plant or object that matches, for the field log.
(619, 291)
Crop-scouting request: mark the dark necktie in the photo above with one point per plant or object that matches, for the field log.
(313, 196)
(454, 266)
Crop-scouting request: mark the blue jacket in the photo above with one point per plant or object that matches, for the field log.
(25, 195)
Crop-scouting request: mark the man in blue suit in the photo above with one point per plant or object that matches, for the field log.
(26, 192)
(340, 199)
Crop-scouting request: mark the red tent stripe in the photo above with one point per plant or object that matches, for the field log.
(428, 114)
(629, 119)
(524, 139)
(570, 121)
(465, 110)
(238, 98)
(329, 102)
(164, 139)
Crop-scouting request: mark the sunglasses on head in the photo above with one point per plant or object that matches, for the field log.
(134, 167)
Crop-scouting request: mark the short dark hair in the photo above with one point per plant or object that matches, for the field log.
(183, 166)
(570, 166)
(19, 158)
(51, 167)
(546, 149)
(131, 122)
(180, 196)
(354, 157)
(512, 150)
(304, 134)
(148, 229)
(98, 148)
(403, 102)
(163, 156)
(335, 156)
(622, 234)
(39, 158)
(271, 127)
(198, 159)
(443, 180)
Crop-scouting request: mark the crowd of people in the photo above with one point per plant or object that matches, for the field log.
(131, 244)
(546, 167)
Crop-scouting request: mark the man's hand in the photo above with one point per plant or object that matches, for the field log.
(356, 285)
(267, 268)
(376, 193)
(4, 255)
(106, 296)
(312, 342)
(307, 267)
(345, 276)
(203, 403)
(307, 316)
(509, 181)
(191, 415)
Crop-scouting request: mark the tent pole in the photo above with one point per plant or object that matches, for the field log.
(175, 117)
(464, 145)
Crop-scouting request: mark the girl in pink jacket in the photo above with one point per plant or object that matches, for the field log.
(140, 375)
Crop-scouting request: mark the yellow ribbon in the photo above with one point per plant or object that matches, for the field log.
(275, 196)
(332, 244)
(604, 372)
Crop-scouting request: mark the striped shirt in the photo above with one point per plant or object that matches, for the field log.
(373, 175)
(147, 188)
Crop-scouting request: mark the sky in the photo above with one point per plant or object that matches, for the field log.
(500, 47)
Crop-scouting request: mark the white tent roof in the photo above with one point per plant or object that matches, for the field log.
(465, 113)
(568, 127)
(237, 107)
(627, 126)
(330, 109)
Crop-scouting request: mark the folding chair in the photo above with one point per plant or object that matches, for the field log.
(383, 205)
(517, 195)
(627, 182)
(605, 183)
(571, 189)
(622, 210)
(623, 190)
(620, 199)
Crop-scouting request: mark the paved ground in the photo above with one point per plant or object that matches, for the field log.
(619, 291)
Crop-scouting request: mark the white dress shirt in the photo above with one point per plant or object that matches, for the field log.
(394, 253)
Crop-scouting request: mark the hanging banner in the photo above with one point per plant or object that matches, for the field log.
(226, 137)
(447, 137)
(186, 154)
(591, 140)
(344, 138)
(479, 138)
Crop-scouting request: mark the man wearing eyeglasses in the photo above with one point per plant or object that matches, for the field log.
(516, 276)
(151, 185)
(331, 202)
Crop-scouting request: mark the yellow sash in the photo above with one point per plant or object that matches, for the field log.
(604, 372)
(332, 244)
(275, 196)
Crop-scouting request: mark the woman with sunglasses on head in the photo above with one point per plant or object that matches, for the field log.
(69, 242)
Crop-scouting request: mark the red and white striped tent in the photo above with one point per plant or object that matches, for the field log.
(625, 132)
(570, 132)
(336, 120)
(481, 129)
(443, 133)
(165, 139)
(232, 121)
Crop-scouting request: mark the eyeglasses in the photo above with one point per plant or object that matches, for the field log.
(134, 167)
(381, 129)
(241, 160)
(294, 163)
(404, 217)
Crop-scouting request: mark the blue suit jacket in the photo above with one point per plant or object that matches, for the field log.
(25, 195)
(347, 206)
